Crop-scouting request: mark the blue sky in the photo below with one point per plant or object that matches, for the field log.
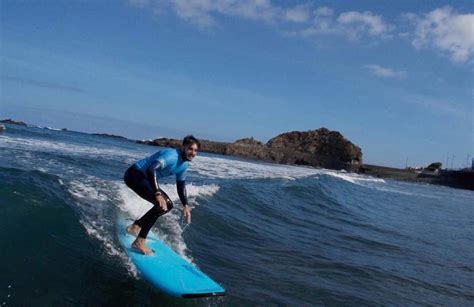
(394, 77)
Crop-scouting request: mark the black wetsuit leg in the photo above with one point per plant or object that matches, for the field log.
(139, 183)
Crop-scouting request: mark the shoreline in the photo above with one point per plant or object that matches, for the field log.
(460, 179)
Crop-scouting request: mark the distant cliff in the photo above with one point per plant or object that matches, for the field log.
(13, 122)
(108, 135)
(320, 148)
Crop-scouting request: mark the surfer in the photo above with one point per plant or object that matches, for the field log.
(142, 177)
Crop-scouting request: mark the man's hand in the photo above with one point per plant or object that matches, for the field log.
(162, 201)
(187, 214)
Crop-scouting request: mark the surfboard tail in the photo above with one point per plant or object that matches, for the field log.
(197, 295)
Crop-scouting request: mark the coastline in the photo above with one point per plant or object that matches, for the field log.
(252, 150)
(452, 178)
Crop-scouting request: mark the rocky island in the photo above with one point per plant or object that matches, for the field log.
(318, 148)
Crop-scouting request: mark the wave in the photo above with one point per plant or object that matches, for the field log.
(67, 148)
(224, 168)
(95, 201)
(311, 231)
(214, 167)
(44, 127)
(98, 199)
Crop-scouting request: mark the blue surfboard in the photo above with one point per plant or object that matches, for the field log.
(167, 270)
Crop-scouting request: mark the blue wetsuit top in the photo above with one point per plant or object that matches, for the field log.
(164, 163)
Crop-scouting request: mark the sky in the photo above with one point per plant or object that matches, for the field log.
(393, 77)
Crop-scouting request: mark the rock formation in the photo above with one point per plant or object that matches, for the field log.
(12, 122)
(320, 148)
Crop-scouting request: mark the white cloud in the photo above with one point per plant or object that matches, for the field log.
(203, 12)
(356, 23)
(443, 29)
(323, 11)
(353, 25)
(314, 21)
(253, 9)
(298, 14)
(197, 12)
(323, 23)
(385, 72)
(446, 30)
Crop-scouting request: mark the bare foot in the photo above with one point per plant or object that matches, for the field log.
(139, 245)
(133, 229)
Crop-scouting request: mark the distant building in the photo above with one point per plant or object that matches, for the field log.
(416, 169)
(428, 171)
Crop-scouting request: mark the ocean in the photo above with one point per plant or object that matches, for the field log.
(269, 234)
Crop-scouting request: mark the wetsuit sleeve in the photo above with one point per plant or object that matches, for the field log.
(181, 176)
(151, 173)
(181, 186)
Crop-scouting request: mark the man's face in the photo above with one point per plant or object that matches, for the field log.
(190, 151)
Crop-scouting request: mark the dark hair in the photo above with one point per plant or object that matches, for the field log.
(189, 140)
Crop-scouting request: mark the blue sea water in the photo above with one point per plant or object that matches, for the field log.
(270, 234)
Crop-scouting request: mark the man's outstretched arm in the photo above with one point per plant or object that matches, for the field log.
(183, 196)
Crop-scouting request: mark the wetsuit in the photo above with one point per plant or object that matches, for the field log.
(142, 177)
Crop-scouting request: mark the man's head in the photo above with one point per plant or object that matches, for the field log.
(190, 147)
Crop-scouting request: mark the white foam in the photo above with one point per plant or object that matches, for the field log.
(398, 191)
(45, 127)
(354, 178)
(54, 129)
(84, 191)
(223, 168)
(23, 154)
(36, 145)
(93, 197)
